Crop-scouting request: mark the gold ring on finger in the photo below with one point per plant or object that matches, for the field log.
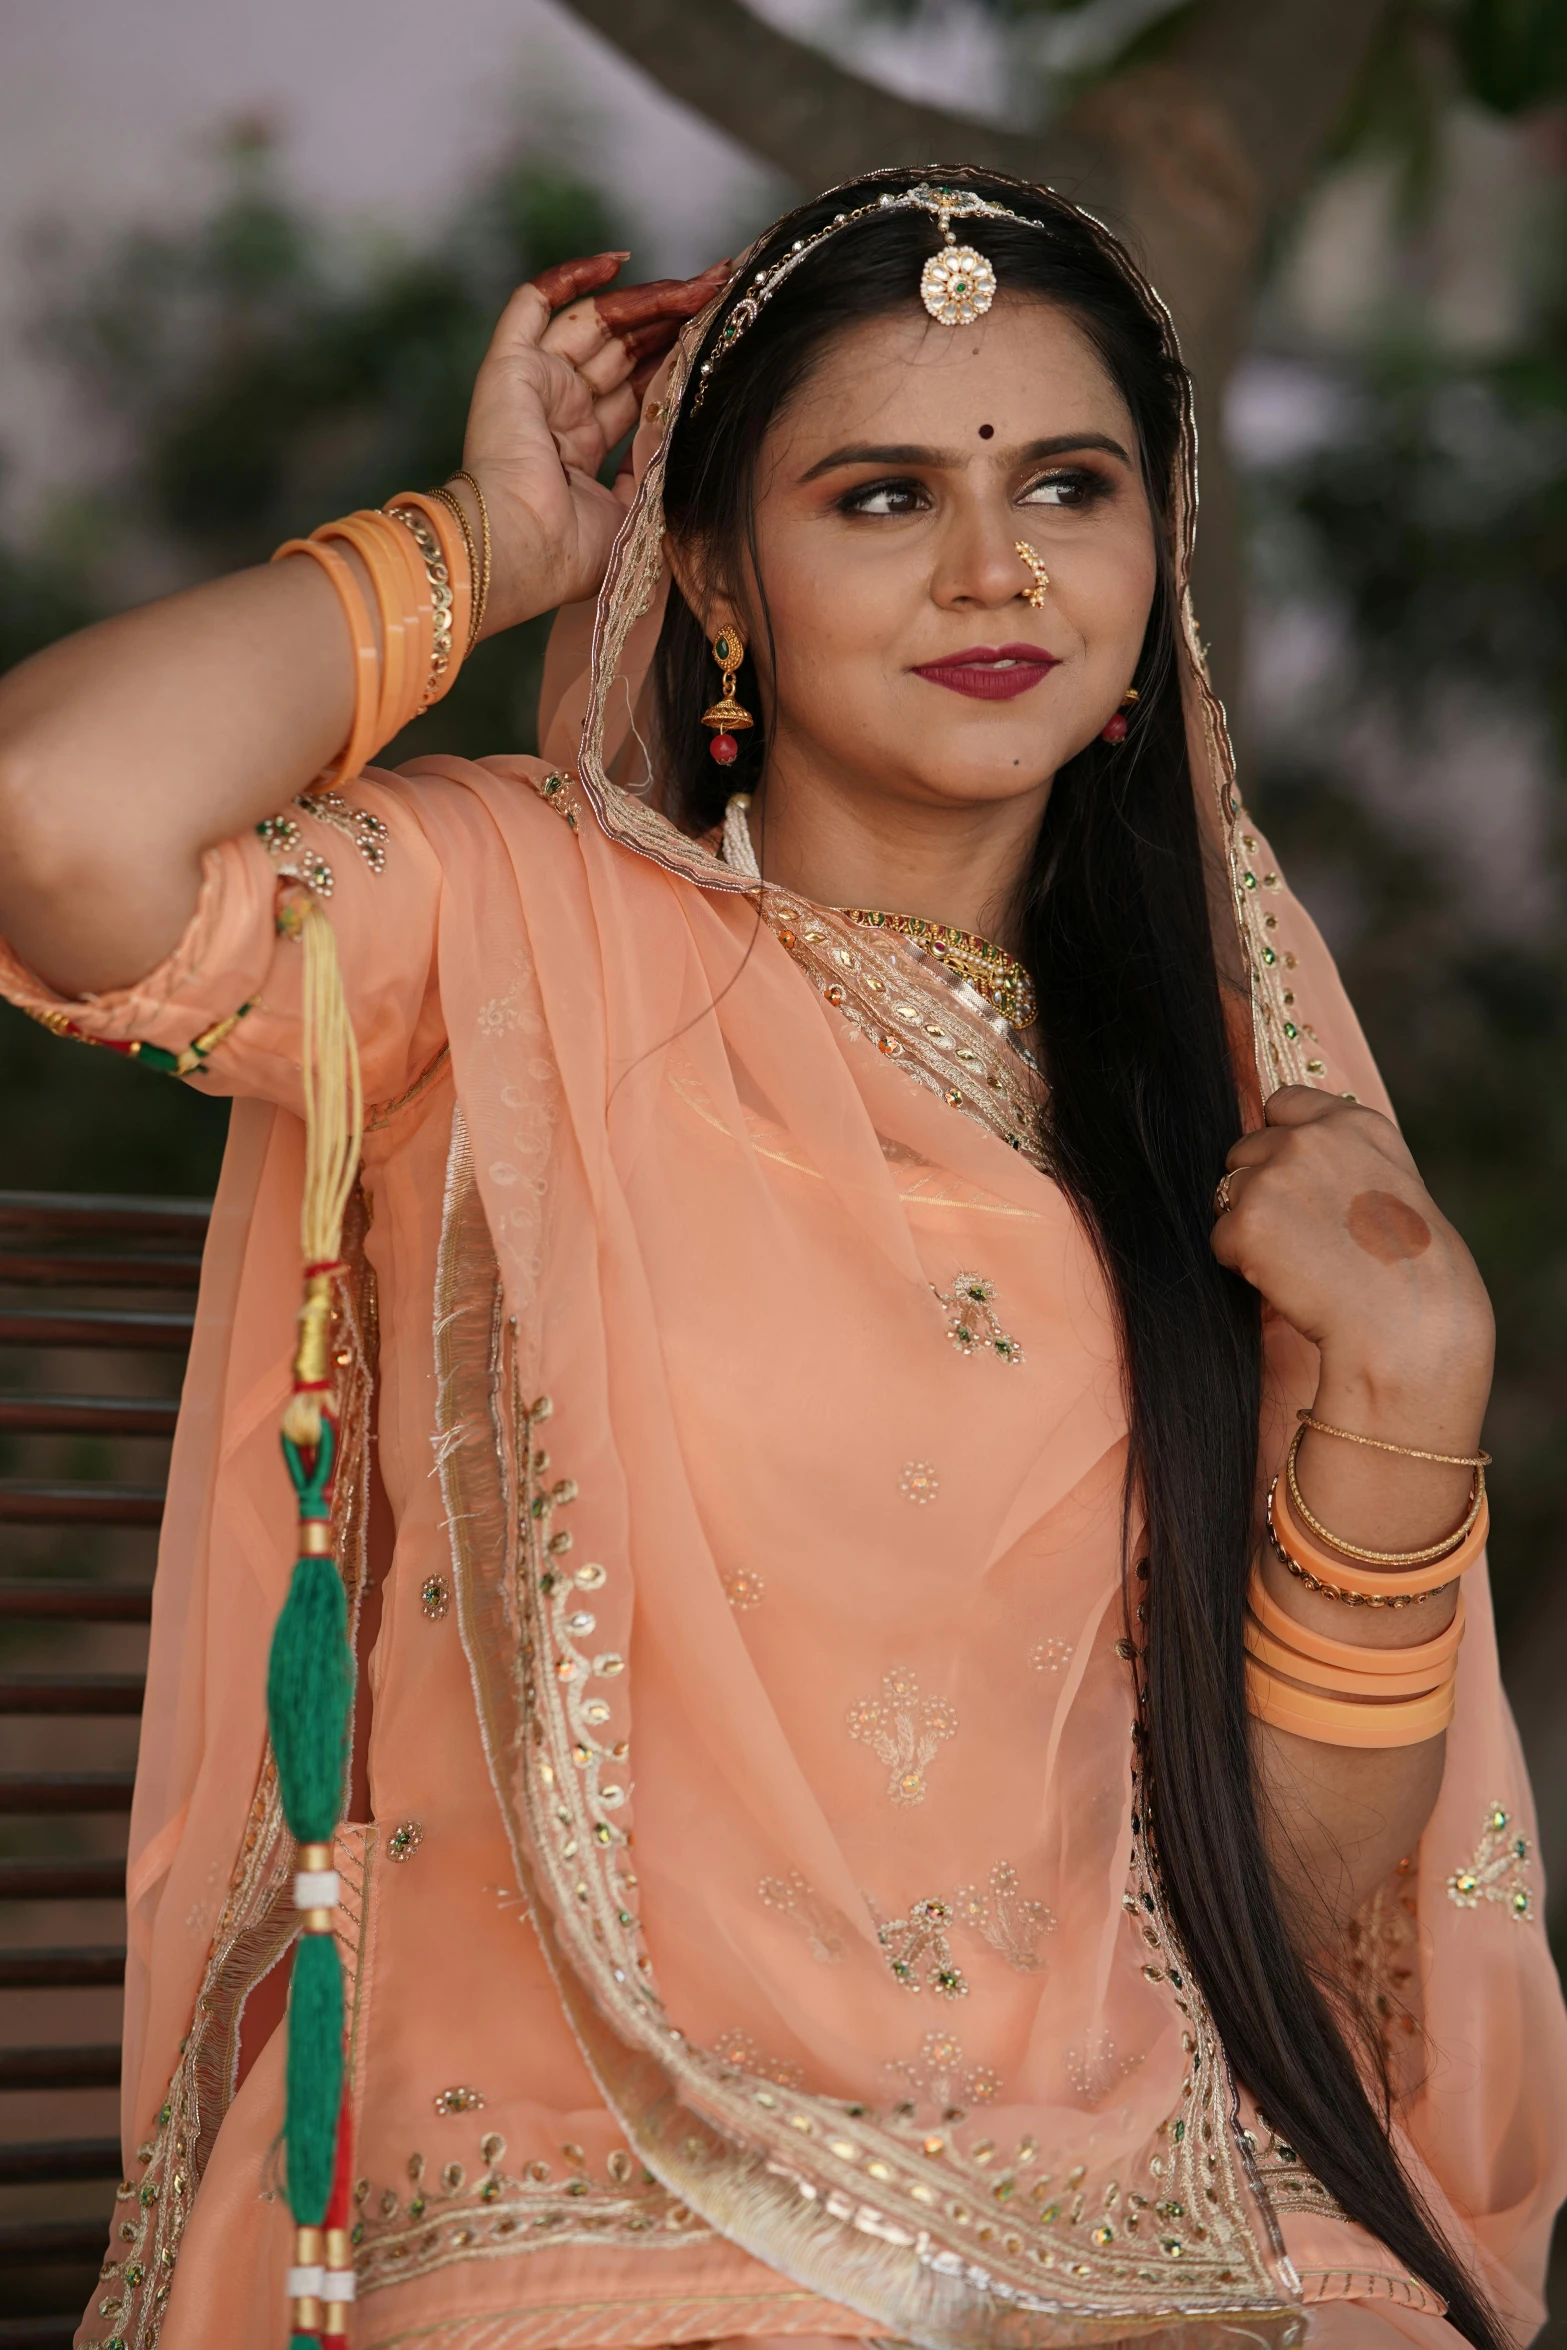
(1221, 1196)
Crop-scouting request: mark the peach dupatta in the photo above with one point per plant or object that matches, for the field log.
(780, 1448)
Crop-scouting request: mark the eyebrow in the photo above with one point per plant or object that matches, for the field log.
(912, 453)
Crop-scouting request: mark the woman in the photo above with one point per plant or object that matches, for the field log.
(789, 1214)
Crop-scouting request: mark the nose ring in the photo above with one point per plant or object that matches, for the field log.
(1034, 595)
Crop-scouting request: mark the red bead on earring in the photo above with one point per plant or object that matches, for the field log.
(724, 749)
(1114, 729)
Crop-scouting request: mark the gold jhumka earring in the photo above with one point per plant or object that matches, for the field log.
(726, 713)
(1034, 595)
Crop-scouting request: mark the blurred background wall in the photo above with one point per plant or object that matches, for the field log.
(249, 257)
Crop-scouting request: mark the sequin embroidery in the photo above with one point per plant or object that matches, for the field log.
(972, 1326)
(903, 1728)
(917, 1949)
(998, 1912)
(1498, 1870)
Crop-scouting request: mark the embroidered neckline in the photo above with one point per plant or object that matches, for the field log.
(999, 977)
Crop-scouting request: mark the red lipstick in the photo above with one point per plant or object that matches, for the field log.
(990, 673)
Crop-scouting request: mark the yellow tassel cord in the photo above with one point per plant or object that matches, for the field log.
(334, 1130)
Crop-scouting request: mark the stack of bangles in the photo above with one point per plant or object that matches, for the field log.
(430, 587)
(1337, 1691)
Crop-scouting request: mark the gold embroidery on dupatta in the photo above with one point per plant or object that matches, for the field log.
(917, 1948)
(1383, 1977)
(1288, 2184)
(969, 1305)
(939, 2077)
(1498, 1871)
(739, 2049)
(918, 1014)
(907, 2225)
(903, 1728)
(501, 2212)
(258, 1920)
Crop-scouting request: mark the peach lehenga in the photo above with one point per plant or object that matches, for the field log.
(754, 1932)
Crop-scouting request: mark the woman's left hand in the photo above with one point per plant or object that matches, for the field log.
(1329, 1220)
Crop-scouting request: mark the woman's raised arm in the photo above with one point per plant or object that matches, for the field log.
(129, 749)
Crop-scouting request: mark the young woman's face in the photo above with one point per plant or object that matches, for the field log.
(891, 495)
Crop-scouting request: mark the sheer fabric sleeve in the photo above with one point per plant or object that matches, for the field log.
(222, 1009)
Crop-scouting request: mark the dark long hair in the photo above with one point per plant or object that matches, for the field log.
(1112, 917)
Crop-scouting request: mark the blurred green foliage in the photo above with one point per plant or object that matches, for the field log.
(1434, 526)
(262, 375)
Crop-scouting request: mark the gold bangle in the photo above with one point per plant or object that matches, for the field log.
(481, 594)
(440, 579)
(1407, 1452)
(444, 497)
(1382, 1558)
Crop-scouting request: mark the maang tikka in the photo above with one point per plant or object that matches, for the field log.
(957, 284)
(727, 713)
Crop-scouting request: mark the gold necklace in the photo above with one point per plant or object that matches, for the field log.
(999, 977)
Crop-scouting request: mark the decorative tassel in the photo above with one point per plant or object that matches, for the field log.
(334, 1127)
(310, 1674)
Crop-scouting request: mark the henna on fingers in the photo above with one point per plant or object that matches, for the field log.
(568, 281)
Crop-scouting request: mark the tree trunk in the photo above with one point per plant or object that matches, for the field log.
(1190, 159)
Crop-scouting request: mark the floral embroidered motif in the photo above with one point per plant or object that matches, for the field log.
(404, 1841)
(435, 1597)
(1094, 2069)
(458, 2100)
(366, 830)
(903, 1729)
(919, 1941)
(919, 1484)
(294, 859)
(742, 1588)
(800, 1902)
(555, 791)
(938, 2076)
(1051, 1656)
(999, 1914)
(1497, 1871)
(738, 2048)
(971, 1323)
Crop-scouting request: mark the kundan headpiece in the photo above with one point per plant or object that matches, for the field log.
(957, 284)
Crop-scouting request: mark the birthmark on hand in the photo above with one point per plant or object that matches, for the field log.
(1387, 1227)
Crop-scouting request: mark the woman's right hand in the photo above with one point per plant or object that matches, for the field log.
(559, 386)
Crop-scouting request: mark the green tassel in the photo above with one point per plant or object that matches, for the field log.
(310, 1692)
(315, 2076)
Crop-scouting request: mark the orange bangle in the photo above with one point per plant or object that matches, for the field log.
(1275, 1656)
(1340, 1578)
(459, 571)
(397, 575)
(1372, 1666)
(362, 739)
(1346, 1721)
